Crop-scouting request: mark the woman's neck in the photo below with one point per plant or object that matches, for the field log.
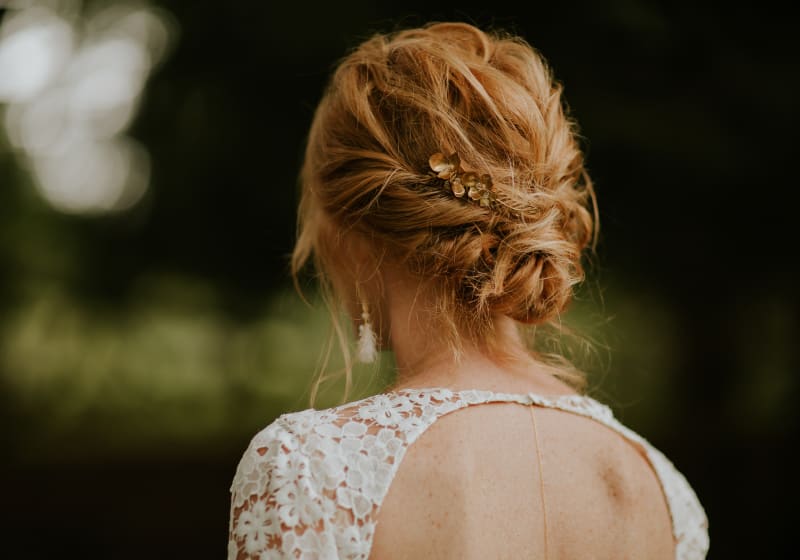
(425, 358)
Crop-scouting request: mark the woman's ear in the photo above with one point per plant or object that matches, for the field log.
(354, 271)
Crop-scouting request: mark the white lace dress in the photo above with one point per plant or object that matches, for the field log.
(310, 484)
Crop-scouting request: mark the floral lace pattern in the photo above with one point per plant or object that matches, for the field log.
(310, 484)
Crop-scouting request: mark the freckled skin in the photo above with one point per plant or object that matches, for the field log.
(479, 496)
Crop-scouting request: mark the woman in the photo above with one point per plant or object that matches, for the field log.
(445, 204)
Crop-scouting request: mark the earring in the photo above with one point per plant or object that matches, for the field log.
(367, 339)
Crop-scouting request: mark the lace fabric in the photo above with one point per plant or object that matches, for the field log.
(310, 484)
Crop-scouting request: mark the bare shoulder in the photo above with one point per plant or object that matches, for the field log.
(480, 485)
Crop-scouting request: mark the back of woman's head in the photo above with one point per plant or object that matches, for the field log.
(451, 88)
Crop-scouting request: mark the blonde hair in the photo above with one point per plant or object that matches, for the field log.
(450, 87)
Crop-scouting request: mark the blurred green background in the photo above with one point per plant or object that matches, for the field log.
(148, 162)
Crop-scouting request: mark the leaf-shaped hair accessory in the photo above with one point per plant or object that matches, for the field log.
(444, 166)
(478, 188)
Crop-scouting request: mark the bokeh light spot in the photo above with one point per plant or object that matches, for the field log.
(72, 83)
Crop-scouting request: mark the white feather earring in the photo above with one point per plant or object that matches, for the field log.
(367, 350)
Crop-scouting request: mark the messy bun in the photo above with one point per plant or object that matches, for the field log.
(491, 99)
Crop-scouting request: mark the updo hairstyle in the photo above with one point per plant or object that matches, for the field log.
(450, 87)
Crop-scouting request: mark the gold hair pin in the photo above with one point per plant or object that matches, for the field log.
(478, 188)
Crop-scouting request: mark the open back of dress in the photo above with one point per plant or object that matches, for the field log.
(396, 475)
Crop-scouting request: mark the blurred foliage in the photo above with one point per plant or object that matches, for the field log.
(169, 368)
